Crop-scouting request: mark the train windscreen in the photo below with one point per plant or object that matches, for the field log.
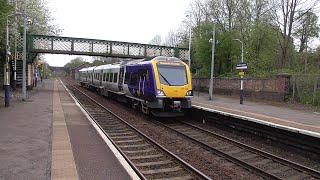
(172, 74)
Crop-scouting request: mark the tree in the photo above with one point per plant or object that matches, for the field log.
(5, 10)
(286, 16)
(203, 49)
(156, 40)
(75, 62)
(308, 28)
(39, 16)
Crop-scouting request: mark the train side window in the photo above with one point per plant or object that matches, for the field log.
(104, 76)
(134, 78)
(126, 78)
(111, 77)
(115, 77)
(144, 73)
(107, 78)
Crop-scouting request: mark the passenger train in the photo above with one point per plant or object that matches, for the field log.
(160, 85)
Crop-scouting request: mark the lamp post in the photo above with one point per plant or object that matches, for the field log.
(190, 31)
(241, 76)
(6, 81)
(24, 53)
(213, 40)
(15, 50)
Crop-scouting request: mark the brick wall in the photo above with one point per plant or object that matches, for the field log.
(258, 88)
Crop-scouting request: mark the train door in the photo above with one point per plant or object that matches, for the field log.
(144, 83)
(100, 77)
(120, 82)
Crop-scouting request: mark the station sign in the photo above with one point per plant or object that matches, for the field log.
(242, 66)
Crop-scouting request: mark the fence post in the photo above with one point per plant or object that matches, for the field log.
(294, 87)
(199, 87)
(314, 90)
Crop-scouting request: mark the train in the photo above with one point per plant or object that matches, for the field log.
(160, 86)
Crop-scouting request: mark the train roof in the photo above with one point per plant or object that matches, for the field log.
(131, 62)
(107, 66)
(83, 69)
(147, 60)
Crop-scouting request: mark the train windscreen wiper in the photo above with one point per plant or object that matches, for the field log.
(165, 79)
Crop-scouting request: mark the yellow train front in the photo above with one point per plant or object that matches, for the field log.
(169, 85)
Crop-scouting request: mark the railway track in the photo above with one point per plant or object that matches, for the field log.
(149, 159)
(265, 164)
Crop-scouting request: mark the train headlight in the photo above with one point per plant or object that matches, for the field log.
(160, 93)
(189, 93)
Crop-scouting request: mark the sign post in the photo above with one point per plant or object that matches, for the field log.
(241, 66)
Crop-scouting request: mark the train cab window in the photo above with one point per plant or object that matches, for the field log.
(134, 78)
(126, 78)
(111, 77)
(115, 77)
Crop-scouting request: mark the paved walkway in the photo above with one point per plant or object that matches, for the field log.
(49, 137)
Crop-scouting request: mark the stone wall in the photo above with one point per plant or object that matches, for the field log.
(258, 88)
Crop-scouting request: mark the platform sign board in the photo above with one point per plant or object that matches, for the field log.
(242, 66)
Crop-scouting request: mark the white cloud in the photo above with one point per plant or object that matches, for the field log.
(118, 20)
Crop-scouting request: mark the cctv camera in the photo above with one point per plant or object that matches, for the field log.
(29, 21)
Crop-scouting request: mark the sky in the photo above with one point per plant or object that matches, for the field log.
(135, 21)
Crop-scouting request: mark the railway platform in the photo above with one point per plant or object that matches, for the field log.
(306, 121)
(49, 137)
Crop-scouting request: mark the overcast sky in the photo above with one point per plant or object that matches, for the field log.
(118, 20)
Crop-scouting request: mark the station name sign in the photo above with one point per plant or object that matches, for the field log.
(242, 66)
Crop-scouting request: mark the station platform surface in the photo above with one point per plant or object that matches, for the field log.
(306, 121)
(49, 137)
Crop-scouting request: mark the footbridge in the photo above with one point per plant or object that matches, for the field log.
(94, 47)
(41, 44)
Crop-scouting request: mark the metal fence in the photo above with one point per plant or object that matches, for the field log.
(306, 89)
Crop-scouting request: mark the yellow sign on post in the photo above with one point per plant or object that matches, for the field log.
(241, 73)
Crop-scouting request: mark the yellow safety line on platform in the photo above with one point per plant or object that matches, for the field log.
(258, 116)
(62, 165)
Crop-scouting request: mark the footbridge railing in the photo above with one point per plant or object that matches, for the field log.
(95, 47)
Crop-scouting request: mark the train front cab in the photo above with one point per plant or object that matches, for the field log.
(174, 88)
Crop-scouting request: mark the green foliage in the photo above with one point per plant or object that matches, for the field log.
(75, 62)
(263, 49)
(5, 10)
(203, 49)
(228, 52)
(98, 63)
(308, 28)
